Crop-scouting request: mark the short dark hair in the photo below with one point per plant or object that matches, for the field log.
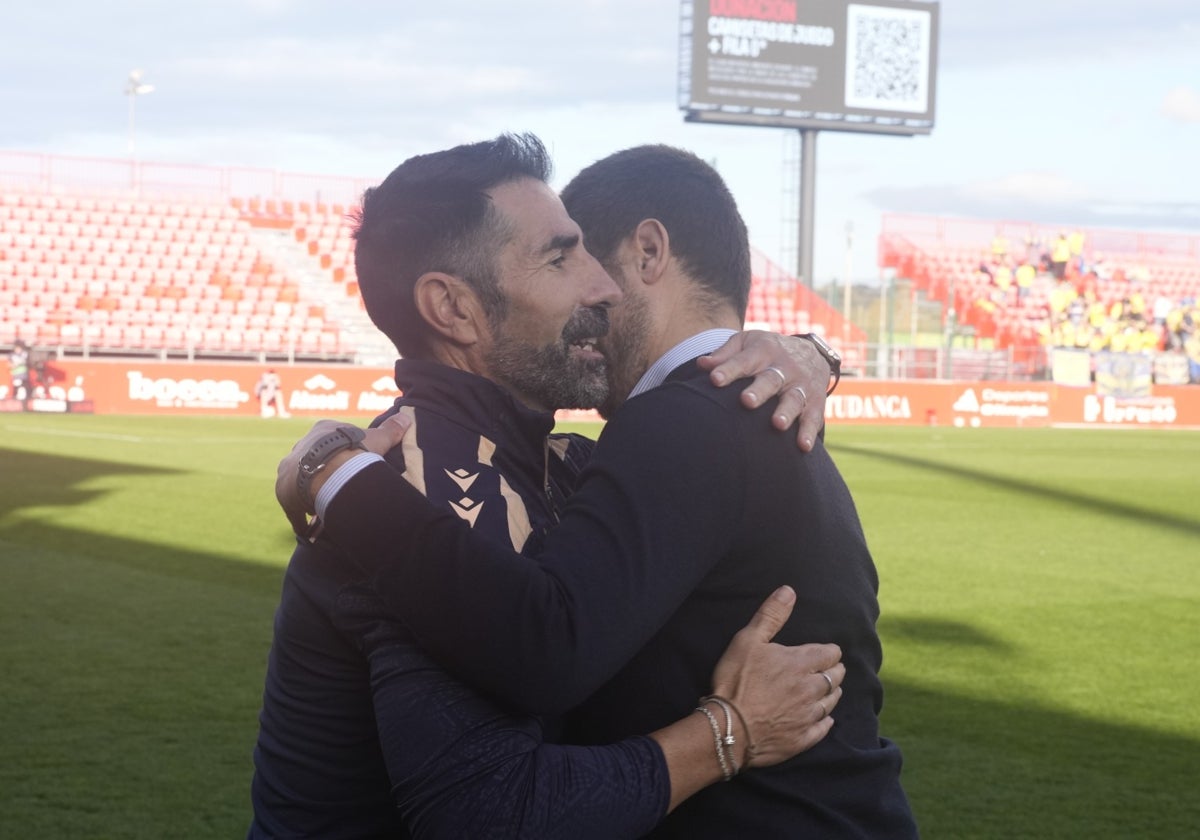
(433, 213)
(612, 196)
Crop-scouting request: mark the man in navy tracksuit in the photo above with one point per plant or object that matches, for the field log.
(689, 511)
(361, 734)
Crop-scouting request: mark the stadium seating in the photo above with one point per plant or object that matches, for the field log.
(779, 303)
(776, 301)
(107, 274)
(1114, 281)
(325, 233)
(99, 274)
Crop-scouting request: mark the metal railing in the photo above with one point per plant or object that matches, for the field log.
(128, 178)
(871, 360)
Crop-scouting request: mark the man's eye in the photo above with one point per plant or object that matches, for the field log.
(559, 261)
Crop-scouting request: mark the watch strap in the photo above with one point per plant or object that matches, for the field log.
(316, 459)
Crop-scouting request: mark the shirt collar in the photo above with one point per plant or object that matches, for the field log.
(472, 401)
(684, 351)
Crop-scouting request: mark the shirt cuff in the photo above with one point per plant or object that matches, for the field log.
(340, 476)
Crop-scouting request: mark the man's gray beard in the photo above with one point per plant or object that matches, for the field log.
(549, 374)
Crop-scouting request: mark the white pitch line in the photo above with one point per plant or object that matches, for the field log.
(65, 433)
(139, 438)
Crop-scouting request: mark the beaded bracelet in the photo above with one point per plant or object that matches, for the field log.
(716, 729)
(728, 740)
(727, 704)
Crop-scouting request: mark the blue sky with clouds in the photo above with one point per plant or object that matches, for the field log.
(1054, 111)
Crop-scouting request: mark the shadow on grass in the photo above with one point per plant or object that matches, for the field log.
(29, 479)
(134, 672)
(974, 767)
(940, 632)
(168, 561)
(977, 768)
(36, 479)
(1143, 516)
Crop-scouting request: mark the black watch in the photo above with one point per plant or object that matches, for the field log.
(830, 355)
(317, 457)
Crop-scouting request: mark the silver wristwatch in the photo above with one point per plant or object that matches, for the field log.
(317, 457)
(830, 355)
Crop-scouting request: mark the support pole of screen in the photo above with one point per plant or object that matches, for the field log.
(808, 195)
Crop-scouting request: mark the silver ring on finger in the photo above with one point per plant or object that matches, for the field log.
(779, 373)
(828, 681)
(803, 395)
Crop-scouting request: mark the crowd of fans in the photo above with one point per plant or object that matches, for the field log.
(1088, 302)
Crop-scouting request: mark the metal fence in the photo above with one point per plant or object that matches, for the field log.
(890, 361)
(62, 174)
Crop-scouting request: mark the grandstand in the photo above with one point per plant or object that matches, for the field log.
(1026, 288)
(179, 266)
(106, 258)
(102, 275)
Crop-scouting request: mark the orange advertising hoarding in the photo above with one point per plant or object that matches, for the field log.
(1012, 404)
(934, 403)
(1167, 407)
(152, 387)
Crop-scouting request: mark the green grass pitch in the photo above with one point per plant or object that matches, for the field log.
(1040, 595)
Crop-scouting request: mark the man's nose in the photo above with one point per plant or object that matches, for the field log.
(602, 290)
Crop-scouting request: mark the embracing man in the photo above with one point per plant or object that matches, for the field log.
(689, 511)
(470, 263)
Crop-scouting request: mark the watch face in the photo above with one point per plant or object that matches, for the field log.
(822, 345)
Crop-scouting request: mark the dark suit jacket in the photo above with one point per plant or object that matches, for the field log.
(691, 511)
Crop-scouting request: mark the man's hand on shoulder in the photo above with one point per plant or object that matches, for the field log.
(783, 365)
(784, 695)
(298, 499)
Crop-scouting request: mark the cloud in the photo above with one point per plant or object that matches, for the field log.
(1039, 198)
(356, 66)
(1015, 196)
(1182, 104)
(1023, 32)
(1037, 188)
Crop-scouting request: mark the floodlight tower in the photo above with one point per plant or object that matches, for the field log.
(134, 87)
(849, 286)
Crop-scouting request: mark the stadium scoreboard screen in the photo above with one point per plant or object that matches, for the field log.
(825, 64)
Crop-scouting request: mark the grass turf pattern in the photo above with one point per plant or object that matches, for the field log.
(1040, 595)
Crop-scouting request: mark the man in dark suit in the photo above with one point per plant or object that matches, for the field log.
(469, 262)
(690, 510)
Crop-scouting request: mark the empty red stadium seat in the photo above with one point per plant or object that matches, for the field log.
(273, 341)
(309, 341)
(47, 334)
(112, 336)
(330, 342)
(212, 339)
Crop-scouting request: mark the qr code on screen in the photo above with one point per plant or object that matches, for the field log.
(887, 58)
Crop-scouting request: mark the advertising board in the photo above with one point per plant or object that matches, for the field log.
(149, 387)
(829, 64)
(176, 388)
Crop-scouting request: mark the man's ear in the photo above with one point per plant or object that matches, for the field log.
(450, 307)
(653, 246)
